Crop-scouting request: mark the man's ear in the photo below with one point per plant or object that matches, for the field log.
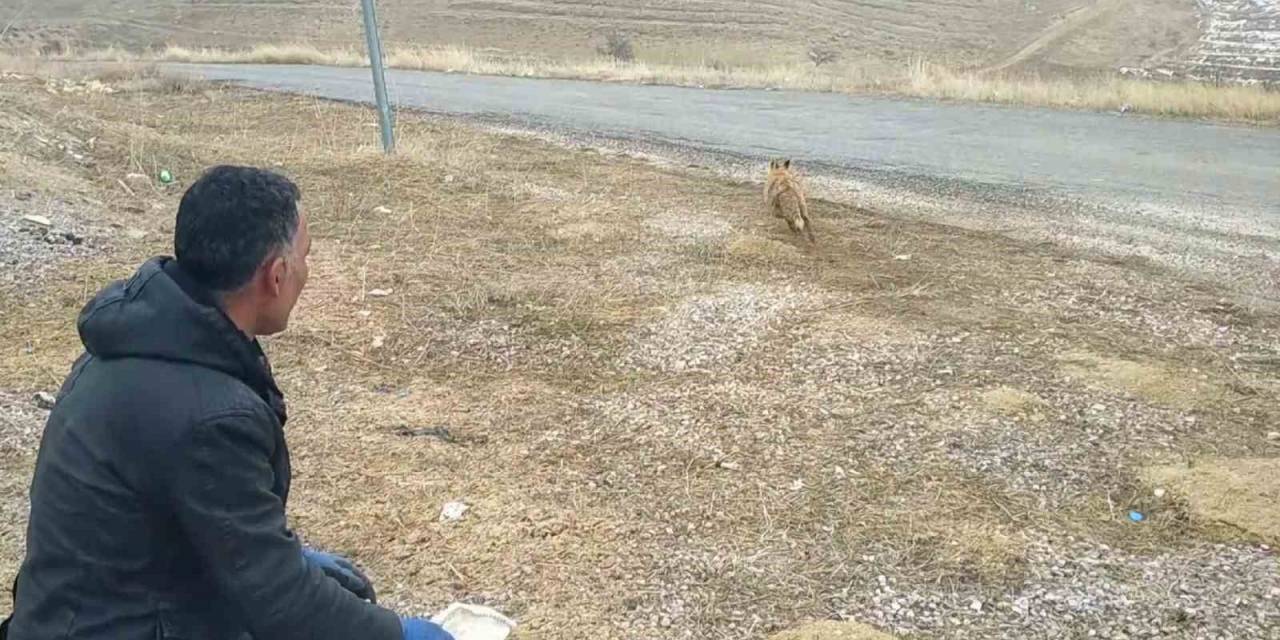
(274, 273)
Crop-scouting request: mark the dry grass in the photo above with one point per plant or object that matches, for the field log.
(116, 70)
(831, 630)
(1241, 495)
(1154, 382)
(1010, 401)
(745, 69)
(466, 333)
(754, 249)
(266, 54)
(1099, 93)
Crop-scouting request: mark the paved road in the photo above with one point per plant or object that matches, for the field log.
(1200, 198)
(1118, 158)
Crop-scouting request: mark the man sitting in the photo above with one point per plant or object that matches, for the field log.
(158, 501)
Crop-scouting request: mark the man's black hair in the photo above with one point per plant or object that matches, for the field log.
(230, 221)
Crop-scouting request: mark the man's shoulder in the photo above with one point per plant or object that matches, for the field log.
(161, 395)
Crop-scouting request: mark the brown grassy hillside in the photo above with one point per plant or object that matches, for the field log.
(1076, 34)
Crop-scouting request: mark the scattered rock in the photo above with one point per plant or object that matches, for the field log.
(382, 209)
(708, 330)
(135, 234)
(1273, 436)
(38, 220)
(379, 293)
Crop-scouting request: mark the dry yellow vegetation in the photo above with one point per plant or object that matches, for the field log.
(917, 78)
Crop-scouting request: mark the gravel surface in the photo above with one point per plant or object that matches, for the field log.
(1078, 589)
(21, 422)
(29, 249)
(713, 330)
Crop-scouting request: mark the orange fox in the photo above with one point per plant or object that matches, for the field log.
(784, 197)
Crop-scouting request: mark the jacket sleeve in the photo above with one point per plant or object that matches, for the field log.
(223, 500)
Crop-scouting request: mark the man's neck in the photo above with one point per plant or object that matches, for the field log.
(240, 311)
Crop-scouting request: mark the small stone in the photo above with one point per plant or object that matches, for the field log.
(380, 293)
(976, 606)
(728, 465)
(135, 234)
(1159, 492)
(45, 400)
(38, 220)
(1273, 436)
(382, 209)
(378, 341)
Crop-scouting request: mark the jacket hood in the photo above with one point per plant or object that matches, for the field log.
(161, 313)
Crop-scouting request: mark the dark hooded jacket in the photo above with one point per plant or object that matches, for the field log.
(158, 501)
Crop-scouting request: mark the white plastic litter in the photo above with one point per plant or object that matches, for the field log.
(474, 622)
(452, 511)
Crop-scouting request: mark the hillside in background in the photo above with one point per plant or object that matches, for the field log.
(1208, 39)
(1240, 39)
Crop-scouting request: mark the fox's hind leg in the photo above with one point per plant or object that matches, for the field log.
(795, 224)
(806, 220)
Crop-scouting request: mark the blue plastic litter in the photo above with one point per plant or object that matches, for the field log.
(1136, 516)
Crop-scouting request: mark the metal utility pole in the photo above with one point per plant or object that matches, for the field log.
(379, 79)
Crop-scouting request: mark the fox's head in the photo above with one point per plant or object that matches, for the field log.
(780, 164)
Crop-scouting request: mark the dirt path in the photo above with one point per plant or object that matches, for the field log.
(1074, 21)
